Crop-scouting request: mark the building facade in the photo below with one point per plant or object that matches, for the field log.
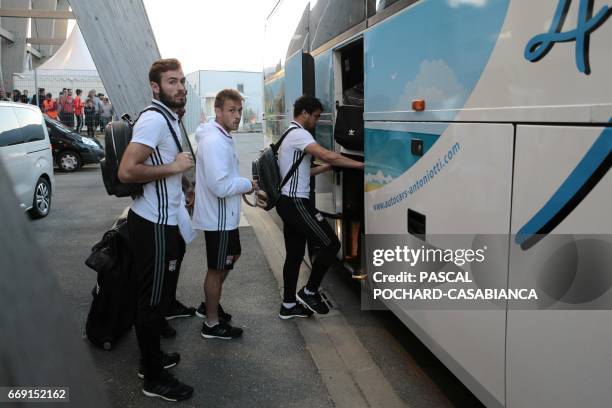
(207, 83)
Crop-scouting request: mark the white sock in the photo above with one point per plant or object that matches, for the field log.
(210, 323)
(289, 305)
(306, 291)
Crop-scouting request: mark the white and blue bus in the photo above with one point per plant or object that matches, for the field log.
(481, 117)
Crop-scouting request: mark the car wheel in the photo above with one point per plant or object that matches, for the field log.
(68, 161)
(41, 205)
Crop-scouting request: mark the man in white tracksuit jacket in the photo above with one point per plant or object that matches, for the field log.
(217, 208)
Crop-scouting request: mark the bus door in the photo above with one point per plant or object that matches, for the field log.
(349, 141)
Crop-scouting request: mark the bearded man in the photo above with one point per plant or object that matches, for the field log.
(154, 159)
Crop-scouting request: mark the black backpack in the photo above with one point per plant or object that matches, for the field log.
(267, 172)
(117, 137)
(349, 132)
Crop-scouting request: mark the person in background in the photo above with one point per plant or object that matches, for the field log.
(60, 100)
(106, 113)
(16, 95)
(78, 110)
(67, 109)
(97, 105)
(24, 97)
(90, 117)
(49, 107)
(38, 99)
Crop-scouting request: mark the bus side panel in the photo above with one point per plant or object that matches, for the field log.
(496, 61)
(462, 184)
(434, 50)
(562, 358)
(551, 87)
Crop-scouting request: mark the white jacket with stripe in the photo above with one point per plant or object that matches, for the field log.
(218, 182)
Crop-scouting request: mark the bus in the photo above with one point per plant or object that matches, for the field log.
(480, 117)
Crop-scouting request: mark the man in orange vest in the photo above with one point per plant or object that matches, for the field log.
(50, 107)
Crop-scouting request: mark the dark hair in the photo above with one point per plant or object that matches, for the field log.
(78, 91)
(225, 94)
(160, 66)
(306, 103)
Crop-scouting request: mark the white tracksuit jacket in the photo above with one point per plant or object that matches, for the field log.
(218, 182)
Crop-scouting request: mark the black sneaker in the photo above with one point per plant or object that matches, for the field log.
(313, 302)
(180, 310)
(299, 310)
(201, 312)
(167, 331)
(221, 330)
(169, 360)
(167, 387)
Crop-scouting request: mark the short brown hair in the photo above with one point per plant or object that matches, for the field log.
(225, 94)
(162, 65)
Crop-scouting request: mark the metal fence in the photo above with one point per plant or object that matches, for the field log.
(53, 81)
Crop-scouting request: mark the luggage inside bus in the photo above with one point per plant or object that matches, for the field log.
(349, 140)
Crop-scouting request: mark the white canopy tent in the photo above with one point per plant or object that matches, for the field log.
(70, 67)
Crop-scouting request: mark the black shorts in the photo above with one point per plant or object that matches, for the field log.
(222, 247)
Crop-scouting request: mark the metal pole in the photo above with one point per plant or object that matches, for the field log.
(36, 88)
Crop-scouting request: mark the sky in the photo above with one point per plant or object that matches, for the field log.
(210, 34)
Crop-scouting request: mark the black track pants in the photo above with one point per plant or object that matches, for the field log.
(156, 251)
(303, 223)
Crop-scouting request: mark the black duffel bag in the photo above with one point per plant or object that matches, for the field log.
(113, 308)
(349, 132)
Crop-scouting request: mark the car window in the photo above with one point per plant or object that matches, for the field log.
(10, 133)
(31, 122)
(58, 126)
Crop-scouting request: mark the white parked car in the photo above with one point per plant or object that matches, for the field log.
(25, 153)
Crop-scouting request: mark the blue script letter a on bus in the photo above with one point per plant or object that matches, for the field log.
(541, 44)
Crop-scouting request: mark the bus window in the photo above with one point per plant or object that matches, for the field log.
(330, 18)
(371, 7)
(285, 30)
(383, 4)
(378, 10)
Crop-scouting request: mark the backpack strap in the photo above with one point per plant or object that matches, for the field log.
(291, 171)
(174, 136)
(277, 145)
(295, 165)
